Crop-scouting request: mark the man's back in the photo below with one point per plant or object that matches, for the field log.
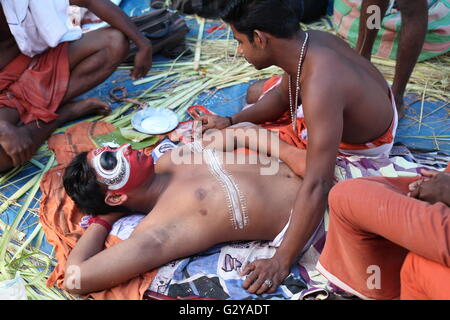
(368, 111)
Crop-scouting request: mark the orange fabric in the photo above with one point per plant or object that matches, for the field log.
(284, 128)
(448, 168)
(270, 83)
(378, 229)
(386, 138)
(423, 279)
(285, 131)
(35, 87)
(60, 218)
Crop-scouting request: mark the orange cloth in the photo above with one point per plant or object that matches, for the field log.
(60, 218)
(284, 127)
(423, 279)
(35, 87)
(376, 231)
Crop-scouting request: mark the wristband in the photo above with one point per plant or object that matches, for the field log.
(100, 221)
(231, 120)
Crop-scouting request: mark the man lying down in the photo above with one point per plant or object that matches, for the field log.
(192, 205)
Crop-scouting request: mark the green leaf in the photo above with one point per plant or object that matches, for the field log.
(133, 135)
(116, 137)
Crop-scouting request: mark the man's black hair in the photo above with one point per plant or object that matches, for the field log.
(80, 183)
(314, 10)
(280, 18)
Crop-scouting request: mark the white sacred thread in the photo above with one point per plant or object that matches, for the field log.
(236, 201)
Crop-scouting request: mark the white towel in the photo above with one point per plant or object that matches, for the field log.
(38, 25)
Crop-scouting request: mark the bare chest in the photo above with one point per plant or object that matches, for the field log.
(205, 194)
(196, 191)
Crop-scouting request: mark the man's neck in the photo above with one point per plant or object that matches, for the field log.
(145, 198)
(287, 53)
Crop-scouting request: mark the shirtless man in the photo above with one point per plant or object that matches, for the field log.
(191, 207)
(347, 107)
(91, 60)
(412, 36)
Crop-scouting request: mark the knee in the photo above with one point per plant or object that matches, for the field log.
(117, 44)
(341, 196)
(254, 92)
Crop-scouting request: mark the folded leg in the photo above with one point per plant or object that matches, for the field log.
(92, 59)
(373, 225)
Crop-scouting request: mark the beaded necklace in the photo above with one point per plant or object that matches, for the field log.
(299, 71)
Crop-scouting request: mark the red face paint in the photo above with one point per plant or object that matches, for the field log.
(123, 169)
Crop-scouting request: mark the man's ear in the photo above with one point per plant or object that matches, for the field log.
(115, 199)
(260, 39)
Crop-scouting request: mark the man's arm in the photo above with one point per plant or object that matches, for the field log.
(265, 142)
(270, 108)
(161, 237)
(8, 45)
(109, 12)
(324, 118)
(366, 35)
(92, 268)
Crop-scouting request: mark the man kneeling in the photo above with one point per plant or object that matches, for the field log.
(191, 207)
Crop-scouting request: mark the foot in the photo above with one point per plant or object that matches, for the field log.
(400, 107)
(17, 145)
(75, 110)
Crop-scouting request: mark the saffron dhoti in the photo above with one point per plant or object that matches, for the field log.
(369, 238)
(35, 87)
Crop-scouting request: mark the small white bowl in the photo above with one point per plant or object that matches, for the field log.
(155, 120)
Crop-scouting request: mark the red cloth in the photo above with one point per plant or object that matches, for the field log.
(423, 279)
(376, 230)
(35, 87)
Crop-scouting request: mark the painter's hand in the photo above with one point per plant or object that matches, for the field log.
(265, 275)
(434, 187)
(142, 61)
(210, 121)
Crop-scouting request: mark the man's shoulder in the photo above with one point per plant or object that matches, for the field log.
(328, 52)
(326, 71)
(325, 60)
